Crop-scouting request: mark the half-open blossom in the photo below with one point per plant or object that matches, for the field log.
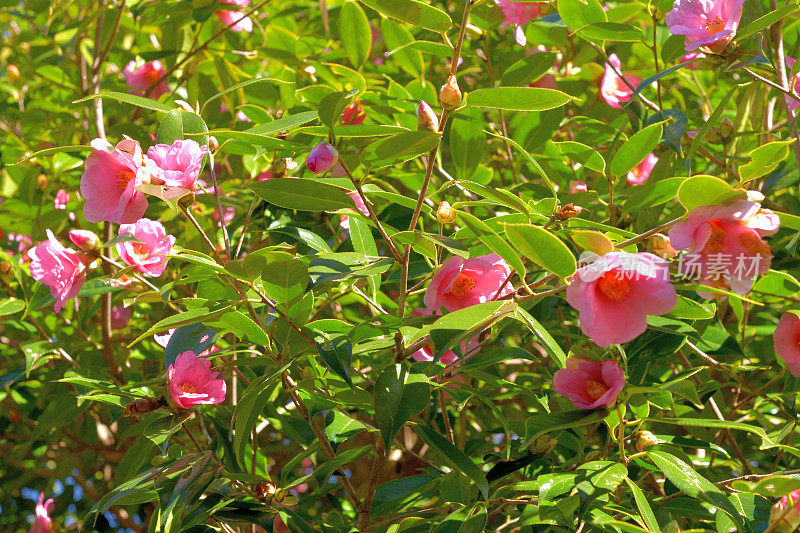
(615, 294)
(322, 158)
(784, 517)
(519, 14)
(725, 245)
(110, 179)
(589, 384)
(192, 382)
(707, 23)
(149, 255)
(344, 221)
(234, 18)
(61, 269)
(613, 89)
(459, 283)
(787, 342)
(42, 523)
(179, 163)
(353, 115)
(143, 76)
(641, 172)
(61, 200)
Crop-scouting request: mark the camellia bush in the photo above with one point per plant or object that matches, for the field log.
(399, 266)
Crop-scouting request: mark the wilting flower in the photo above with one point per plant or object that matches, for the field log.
(459, 284)
(577, 186)
(143, 76)
(120, 315)
(589, 384)
(707, 23)
(110, 179)
(149, 255)
(192, 382)
(179, 163)
(43, 523)
(322, 158)
(787, 342)
(519, 14)
(344, 221)
(786, 512)
(233, 18)
(639, 174)
(725, 245)
(613, 89)
(615, 294)
(61, 269)
(353, 115)
(61, 200)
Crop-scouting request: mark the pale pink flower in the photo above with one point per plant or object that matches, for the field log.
(787, 342)
(707, 23)
(233, 18)
(725, 245)
(110, 179)
(120, 315)
(791, 102)
(589, 384)
(344, 221)
(577, 186)
(519, 14)
(613, 90)
(353, 115)
(459, 284)
(641, 172)
(143, 76)
(179, 163)
(149, 255)
(615, 294)
(192, 382)
(788, 519)
(61, 200)
(61, 269)
(43, 523)
(322, 158)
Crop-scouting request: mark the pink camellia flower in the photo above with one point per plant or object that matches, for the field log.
(149, 255)
(179, 163)
(787, 519)
(577, 186)
(707, 23)
(85, 240)
(639, 174)
(787, 342)
(459, 284)
(61, 200)
(353, 115)
(120, 315)
(725, 245)
(61, 269)
(143, 76)
(233, 18)
(613, 90)
(519, 14)
(110, 179)
(614, 295)
(322, 158)
(589, 384)
(43, 523)
(192, 382)
(792, 103)
(344, 221)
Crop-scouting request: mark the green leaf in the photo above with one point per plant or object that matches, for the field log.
(171, 195)
(542, 423)
(340, 427)
(285, 281)
(470, 519)
(178, 124)
(585, 155)
(337, 354)
(707, 125)
(355, 33)
(202, 314)
(463, 323)
(767, 20)
(303, 194)
(287, 123)
(331, 107)
(398, 148)
(241, 84)
(704, 190)
(518, 98)
(491, 239)
(10, 306)
(467, 141)
(543, 248)
(645, 511)
(251, 405)
(593, 241)
(412, 12)
(528, 70)
(611, 31)
(636, 149)
(691, 310)
(454, 457)
(578, 14)
(764, 160)
(54, 150)
(652, 194)
(138, 101)
(239, 322)
(398, 395)
(540, 331)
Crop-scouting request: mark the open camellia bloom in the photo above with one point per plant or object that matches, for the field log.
(234, 18)
(787, 342)
(43, 523)
(641, 172)
(725, 245)
(705, 23)
(459, 284)
(612, 88)
(143, 76)
(615, 294)
(589, 384)
(110, 179)
(519, 14)
(179, 163)
(149, 255)
(61, 269)
(192, 382)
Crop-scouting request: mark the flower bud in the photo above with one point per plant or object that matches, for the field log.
(279, 168)
(445, 214)
(85, 240)
(426, 118)
(660, 245)
(645, 439)
(6, 272)
(784, 517)
(577, 186)
(714, 136)
(543, 445)
(42, 181)
(450, 93)
(322, 158)
(569, 211)
(213, 144)
(13, 72)
(726, 128)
